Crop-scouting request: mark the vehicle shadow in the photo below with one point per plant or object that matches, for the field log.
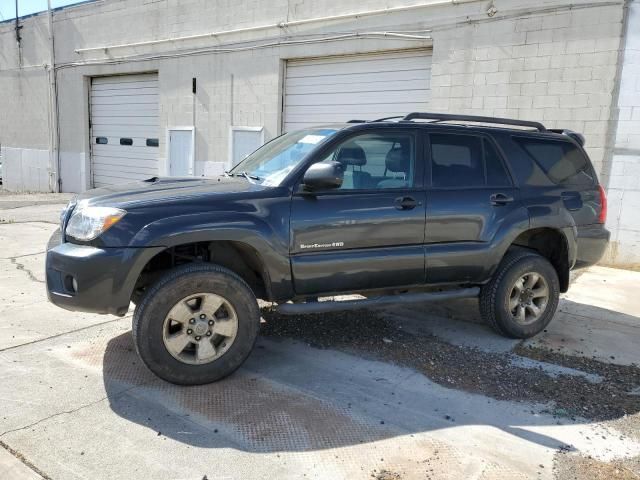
(290, 396)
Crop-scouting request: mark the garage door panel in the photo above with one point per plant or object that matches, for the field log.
(120, 131)
(118, 151)
(125, 100)
(123, 162)
(125, 91)
(99, 87)
(128, 78)
(150, 121)
(375, 98)
(370, 109)
(124, 106)
(101, 169)
(143, 110)
(336, 89)
(331, 79)
(371, 86)
(373, 64)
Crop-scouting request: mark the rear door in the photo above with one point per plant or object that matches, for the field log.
(370, 232)
(571, 174)
(471, 194)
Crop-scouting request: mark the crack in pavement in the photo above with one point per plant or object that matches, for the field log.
(22, 256)
(5, 221)
(21, 266)
(64, 333)
(24, 460)
(69, 412)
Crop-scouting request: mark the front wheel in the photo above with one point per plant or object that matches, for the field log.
(196, 325)
(522, 297)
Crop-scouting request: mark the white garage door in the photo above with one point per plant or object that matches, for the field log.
(124, 128)
(363, 87)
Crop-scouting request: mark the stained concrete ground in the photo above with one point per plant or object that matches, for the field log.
(76, 402)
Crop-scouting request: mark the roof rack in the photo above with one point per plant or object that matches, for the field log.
(472, 118)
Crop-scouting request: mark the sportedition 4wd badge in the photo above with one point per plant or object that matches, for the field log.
(321, 245)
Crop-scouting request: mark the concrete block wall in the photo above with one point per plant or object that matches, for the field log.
(624, 179)
(24, 107)
(557, 67)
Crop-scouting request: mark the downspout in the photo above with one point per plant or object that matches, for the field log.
(55, 182)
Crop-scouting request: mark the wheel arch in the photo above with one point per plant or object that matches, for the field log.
(552, 244)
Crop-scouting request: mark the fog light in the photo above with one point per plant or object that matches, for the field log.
(70, 284)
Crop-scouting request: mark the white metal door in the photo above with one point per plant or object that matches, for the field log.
(364, 87)
(181, 152)
(124, 128)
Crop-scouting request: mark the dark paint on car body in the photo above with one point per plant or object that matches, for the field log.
(362, 239)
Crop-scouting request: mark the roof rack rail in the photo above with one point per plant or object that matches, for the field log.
(384, 119)
(473, 118)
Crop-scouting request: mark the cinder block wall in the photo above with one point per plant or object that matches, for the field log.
(624, 179)
(558, 67)
(24, 107)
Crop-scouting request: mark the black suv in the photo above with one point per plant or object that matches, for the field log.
(425, 207)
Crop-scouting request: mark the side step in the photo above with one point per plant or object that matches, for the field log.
(405, 298)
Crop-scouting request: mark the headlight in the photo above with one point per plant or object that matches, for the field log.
(89, 222)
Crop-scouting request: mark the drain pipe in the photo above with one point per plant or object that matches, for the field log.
(55, 182)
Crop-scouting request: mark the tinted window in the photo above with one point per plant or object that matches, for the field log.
(496, 173)
(152, 142)
(563, 162)
(456, 160)
(126, 141)
(102, 140)
(376, 161)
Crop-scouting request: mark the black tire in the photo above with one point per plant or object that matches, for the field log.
(494, 296)
(157, 301)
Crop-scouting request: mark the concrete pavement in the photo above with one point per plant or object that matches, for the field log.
(77, 403)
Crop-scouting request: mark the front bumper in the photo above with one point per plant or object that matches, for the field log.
(592, 243)
(89, 279)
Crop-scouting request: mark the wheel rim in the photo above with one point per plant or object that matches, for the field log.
(529, 298)
(200, 328)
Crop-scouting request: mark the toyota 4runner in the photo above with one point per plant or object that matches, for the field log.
(413, 209)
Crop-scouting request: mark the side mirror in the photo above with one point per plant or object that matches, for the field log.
(323, 175)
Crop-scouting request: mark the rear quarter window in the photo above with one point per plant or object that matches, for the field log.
(563, 162)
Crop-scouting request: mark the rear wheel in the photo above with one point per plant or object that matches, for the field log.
(522, 297)
(196, 325)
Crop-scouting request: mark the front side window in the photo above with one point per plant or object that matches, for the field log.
(271, 163)
(465, 161)
(374, 161)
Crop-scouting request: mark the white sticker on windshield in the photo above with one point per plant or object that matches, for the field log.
(312, 139)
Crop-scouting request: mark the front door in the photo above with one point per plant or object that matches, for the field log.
(181, 152)
(369, 233)
(470, 198)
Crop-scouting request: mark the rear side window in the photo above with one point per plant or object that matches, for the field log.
(465, 161)
(563, 162)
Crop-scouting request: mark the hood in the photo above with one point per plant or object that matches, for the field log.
(167, 189)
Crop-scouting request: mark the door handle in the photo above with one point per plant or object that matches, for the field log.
(406, 203)
(500, 199)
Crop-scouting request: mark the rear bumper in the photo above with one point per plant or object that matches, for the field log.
(592, 243)
(105, 277)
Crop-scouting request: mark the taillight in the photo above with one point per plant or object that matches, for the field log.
(602, 218)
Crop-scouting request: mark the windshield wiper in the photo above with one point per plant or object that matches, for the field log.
(246, 175)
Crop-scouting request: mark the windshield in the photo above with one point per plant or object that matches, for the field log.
(272, 162)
